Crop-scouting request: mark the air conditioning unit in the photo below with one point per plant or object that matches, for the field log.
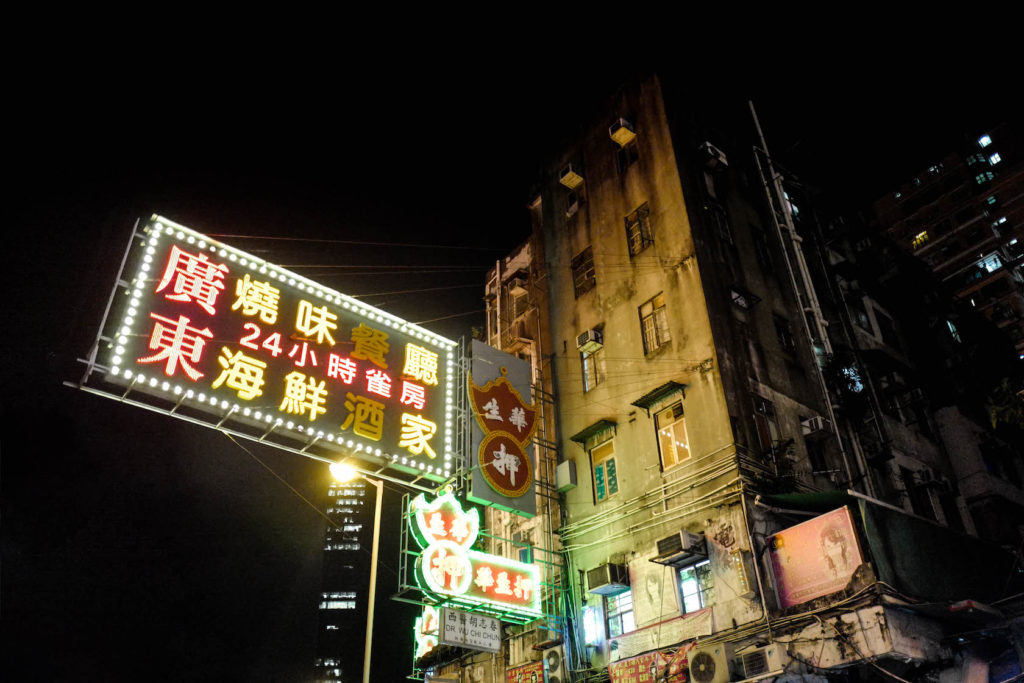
(590, 341)
(608, 579)
(554, 665)
(622, 132)
(763, 660)
(570, 177)
(517, 286)
(815, 426)
(715, 157)
(681, 549)
(710, 663)
(565, 476)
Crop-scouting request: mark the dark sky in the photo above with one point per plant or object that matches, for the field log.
(135, 545)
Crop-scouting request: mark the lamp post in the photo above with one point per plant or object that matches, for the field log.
(345, 473)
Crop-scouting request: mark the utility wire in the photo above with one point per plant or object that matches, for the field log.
(358, 242)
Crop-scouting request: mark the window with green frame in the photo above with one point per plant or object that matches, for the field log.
(606, 478)
(619, 609)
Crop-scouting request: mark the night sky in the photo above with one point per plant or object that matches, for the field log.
(135, 545)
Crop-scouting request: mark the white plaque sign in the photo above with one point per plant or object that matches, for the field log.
(470, 630)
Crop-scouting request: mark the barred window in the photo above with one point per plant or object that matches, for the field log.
(583, 278)
(593, 368)
(638, 230)
(654, 324)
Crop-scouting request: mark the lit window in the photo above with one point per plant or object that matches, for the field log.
(593, 368)
(995, 159)
(984, 141)
(953, 331)
(991, 199)
(990, 263)
(638, 230)
(1000, 221)
(920, 238)
(672, 439)
(583, 278)
(606, 479)
(696, 587)
(654, 324)
(620, 614)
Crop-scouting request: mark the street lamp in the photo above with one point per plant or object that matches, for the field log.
(343, 473)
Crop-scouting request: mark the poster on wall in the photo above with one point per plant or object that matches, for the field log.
(815, 558)
(502, 428)
(528, 673)
(643, 669)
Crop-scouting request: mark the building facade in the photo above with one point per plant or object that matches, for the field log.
(346, 568)
(725, 511)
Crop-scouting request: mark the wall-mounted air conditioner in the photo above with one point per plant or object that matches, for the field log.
(681, 549)
(622, 132)
(711, 663)
(565, 476)
(815, 426)
(554, 665)
(590, 341)
(608, 579)
(570, 177)
(763, 660)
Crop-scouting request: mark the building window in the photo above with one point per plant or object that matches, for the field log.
(785, 335)
(583, 278)
(764, 421)
(672, 440)
(920, 239)
(995, 159)
(638, 230)
(606, 478)
(696, 587)
(619, 609)
(654, 324)
(984, 141)
(627, 155)
(593, 368)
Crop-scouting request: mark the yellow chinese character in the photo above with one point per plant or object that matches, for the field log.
(365, 416)
(371, 345)
(255, 297)
(420, 364)
(312, 320)
(241, 373)
(300, 396)
(416, 432)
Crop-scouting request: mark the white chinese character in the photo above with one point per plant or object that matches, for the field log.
(503, 460)
(492, 411)
(518, 418)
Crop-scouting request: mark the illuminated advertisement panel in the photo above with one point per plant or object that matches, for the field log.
(212, 334)
(815, 558)
(448, 568)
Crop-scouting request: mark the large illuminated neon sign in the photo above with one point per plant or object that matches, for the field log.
(215, 335)
(449, 569)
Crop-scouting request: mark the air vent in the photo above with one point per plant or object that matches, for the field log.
(762, 661)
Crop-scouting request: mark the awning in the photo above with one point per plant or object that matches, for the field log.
(600, 431)
(658, 394)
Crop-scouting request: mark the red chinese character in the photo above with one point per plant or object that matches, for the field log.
(195, 277)
(341, 368)
(413, 395)
(177, 342)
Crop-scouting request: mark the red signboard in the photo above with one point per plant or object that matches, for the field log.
(229, 339)
(508, 424)
(643, 669)
(529, 673)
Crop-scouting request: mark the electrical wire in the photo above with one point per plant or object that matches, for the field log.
(317, 240)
